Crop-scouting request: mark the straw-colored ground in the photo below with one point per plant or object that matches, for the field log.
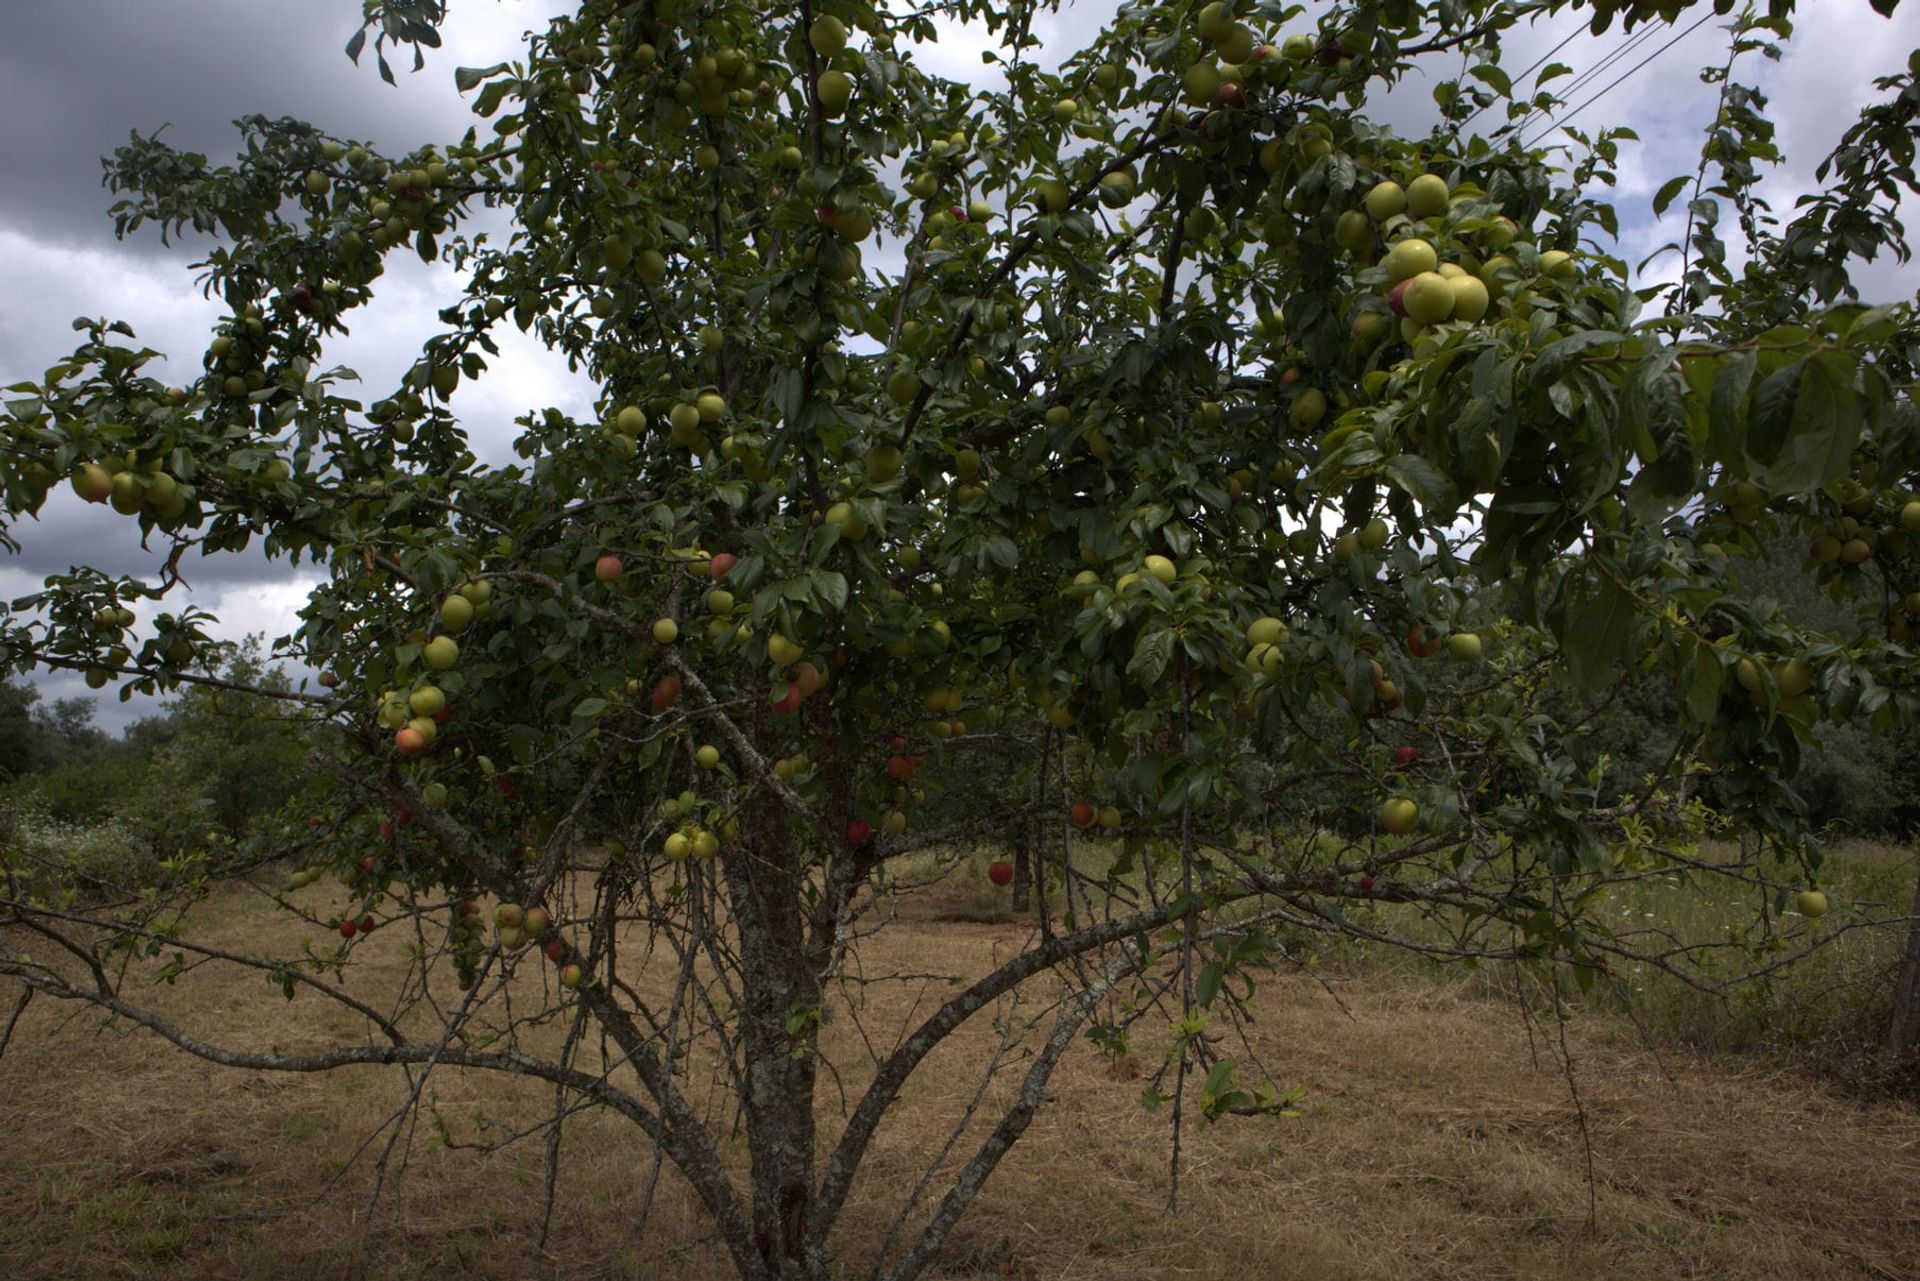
(1430, 1146)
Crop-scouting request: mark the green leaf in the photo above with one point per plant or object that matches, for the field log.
(465, 78)
(1595, 638)
(1809, 424)
(1150, 656)
(1424, 482)
(1727, 415)
(1207, 986)
(1704, 679)
(1667, 192)
(589, 708)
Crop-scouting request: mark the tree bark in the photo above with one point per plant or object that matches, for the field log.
(1023, 877)
(1906, 988)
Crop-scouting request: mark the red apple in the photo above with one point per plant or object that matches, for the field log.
(807, 677)
(1230, 95)
(1261, 52)
(898, 743)
(1366, 885)
(1422, 644)
(788, 699)
(666, 693)
(366, 865)
(505, 785)
(403, 817)
(898, 767)
(348, 929)
(366, 924)
(440, 717)
(722, 565)
(1289, 375)
(555, 950)
(387, 829)
(410, 741)
(1084, 814)
(607, 568)
(329, 680)
(316, 821)
(1394, 298)
(858, 831)
(1000, 872)
(1405, 756)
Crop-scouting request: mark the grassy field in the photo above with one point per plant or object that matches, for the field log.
(1438, 1140)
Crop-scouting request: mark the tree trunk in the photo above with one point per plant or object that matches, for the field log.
(1023, 866)
(1906, 988)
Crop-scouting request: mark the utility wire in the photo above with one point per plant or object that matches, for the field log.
(1588, 76)
(1561, 123)
(1537, 62)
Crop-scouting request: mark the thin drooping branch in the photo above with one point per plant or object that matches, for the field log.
(973, 1176)
(512, 1062)
(899, 1065)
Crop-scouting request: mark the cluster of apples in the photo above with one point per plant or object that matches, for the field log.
(1265, 636)
(1085, 815)
(416, 196)
(1790, 679)
(692, 838)
(131, 487)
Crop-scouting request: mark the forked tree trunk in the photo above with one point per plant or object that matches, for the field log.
(1906, 987)
(780, 998)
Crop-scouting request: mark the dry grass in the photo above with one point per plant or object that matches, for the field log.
(1431, 1146)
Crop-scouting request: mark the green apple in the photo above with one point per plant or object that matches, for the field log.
(1373, 535)
(883, 463)
(1055, 195)
(1557, 263)
(1353, 232)
(708, 757)
(1811, 904)
(1385, 200)
(828, 35)
(1470, 299)
(836, 90)
(1408, 258)
(441, 653)
(1428, 298)
(1309, 407)
(902, 386)
(1160, 568)
(1399, 815)
(1266, 631)
(1427, 196)
(92, 482)
(783, 651)
(1463, 647)
(1201, 83)
(1793, 678)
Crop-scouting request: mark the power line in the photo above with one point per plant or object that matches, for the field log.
(1571, 36)
(1586, 77)
(1561, 123)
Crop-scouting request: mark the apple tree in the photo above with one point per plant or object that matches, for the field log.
(1146, 459)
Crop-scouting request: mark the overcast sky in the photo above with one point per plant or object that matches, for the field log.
(76, 76)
